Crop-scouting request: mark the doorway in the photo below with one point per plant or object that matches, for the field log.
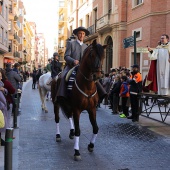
(109, 53)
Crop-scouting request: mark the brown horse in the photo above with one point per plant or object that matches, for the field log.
(84, 95)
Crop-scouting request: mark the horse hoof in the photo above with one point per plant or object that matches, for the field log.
(90, 147)
(46, 111)
(58, 138)
(77, 158)
(71, 135)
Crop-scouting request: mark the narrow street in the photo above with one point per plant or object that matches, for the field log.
(120, 145)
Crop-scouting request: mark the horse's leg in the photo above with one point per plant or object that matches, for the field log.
(76, 117)
(44, 101)
(43, 92)
(71, 135)
(41, 96)
(57, 119)
(92, 117)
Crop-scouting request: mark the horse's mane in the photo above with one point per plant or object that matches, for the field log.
(99, 49)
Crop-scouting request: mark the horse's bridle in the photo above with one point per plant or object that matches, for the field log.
(97, 64)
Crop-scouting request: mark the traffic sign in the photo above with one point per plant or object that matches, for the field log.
(128, 42)
(142, 50)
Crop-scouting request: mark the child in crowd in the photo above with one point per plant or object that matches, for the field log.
(124, 94)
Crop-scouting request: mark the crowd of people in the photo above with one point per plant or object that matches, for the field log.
(123, 86)
(11, 80)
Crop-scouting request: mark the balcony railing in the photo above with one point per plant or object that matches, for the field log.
(92, 29)
(17, 38)
(103, 21)
(16, 54)
(15, 18)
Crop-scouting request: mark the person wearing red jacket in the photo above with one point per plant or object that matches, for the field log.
(124, 94)
(11, 90)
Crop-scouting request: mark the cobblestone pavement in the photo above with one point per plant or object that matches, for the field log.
(120, 145)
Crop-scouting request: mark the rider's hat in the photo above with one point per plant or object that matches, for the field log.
(75, 31)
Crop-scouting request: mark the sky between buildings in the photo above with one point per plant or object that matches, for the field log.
(44, 14)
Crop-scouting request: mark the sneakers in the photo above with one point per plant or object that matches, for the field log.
(122, 115)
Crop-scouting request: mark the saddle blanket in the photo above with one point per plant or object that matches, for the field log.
(71, 80)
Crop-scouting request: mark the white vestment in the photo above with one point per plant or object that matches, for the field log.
(161, 54)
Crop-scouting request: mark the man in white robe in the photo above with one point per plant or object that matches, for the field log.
(162, 55)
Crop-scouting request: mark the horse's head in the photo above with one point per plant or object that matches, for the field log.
(93, 59)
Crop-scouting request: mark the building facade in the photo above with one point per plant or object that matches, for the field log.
(111, 21)
(4, 33)
(62, 29)
(18, 37)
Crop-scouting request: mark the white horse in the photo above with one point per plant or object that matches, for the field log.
(44, 88)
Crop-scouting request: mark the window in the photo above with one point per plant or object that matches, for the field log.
(95, 18)
(1, 34)
(81, 22)
(71, 6)
(87, 21)
(61, 3)
(136, 2)
(9, 25)
(109, 6)
(6, 39)
(4, 12)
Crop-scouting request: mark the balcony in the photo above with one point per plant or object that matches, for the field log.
(16, 38)
(15, 2)
(92, 29)
(103, 23)
(15, 18)
(16, 54)
(60, 49)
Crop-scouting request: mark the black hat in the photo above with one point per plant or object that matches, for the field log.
(55, 54)
(8, 65)
(16, 65)
(75, 31)
(113, 70)
(135, 66)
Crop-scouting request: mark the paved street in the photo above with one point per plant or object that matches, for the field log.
(120, 145)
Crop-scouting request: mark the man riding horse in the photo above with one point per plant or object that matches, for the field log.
(73, 55)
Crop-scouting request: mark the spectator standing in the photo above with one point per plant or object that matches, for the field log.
(3, 108)
(114, 95)
(14, 78)
(11, 90)
(135, 88)
(34, 79)
(124, 94)
(106, 86)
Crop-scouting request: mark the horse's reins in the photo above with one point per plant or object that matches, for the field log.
(86, 95)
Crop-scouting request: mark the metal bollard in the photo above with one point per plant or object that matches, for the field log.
(8, 149)
(15, 114)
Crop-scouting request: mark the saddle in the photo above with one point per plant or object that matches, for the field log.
(69, 74)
